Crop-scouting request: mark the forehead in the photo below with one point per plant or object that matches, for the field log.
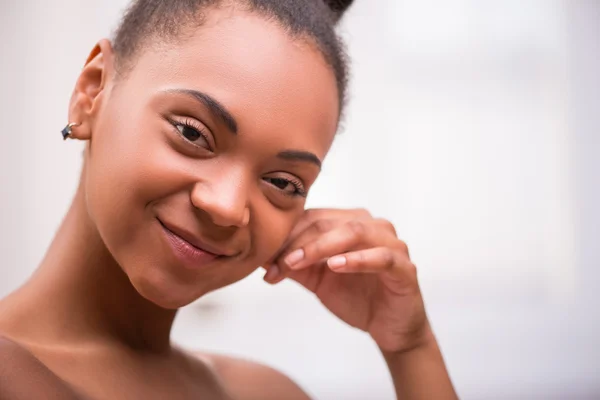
(273, 84)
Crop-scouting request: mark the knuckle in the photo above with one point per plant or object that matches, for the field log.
(360, 257)
(411, 269)
(356, 229)
(385, 224)
(403, 246)
(311, 214)
(322, 225)
(312, 249)
(362, 212)
(388, 259)
(356, 258)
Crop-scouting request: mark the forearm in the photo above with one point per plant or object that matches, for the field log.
(420, 373)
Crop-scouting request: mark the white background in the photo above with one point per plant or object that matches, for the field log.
(473, 125)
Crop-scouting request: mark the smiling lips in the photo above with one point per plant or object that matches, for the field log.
(190, 251)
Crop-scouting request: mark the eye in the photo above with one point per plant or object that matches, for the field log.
(193, 132)
(289, 187)
(189, 133)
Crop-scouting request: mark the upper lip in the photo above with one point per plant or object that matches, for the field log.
(195, 241)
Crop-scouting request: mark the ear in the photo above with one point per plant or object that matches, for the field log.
(89, 91)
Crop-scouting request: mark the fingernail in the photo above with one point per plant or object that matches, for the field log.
(272, 273)
(337, 262)
(294, 257)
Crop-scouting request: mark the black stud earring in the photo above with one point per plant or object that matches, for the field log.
(68, 130)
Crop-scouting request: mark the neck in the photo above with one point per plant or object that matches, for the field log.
(80, 295)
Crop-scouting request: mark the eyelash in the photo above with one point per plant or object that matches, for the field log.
(191, 124)
(299, 192)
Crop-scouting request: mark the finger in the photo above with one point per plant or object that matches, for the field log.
(322, 220)
(354, 235)
(373, 260)
(276, 269)
(309, 277)
(316, 222)
(273, 274)
(316, 229)
(385, 224)
(320, 226)
(312, 215)
(309, 217)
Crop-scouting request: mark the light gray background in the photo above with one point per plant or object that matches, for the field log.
(474, 126)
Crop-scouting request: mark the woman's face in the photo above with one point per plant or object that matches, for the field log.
(215, 140)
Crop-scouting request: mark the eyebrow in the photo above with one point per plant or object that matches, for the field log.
(299, 155)
(213, 105)
(220, 111)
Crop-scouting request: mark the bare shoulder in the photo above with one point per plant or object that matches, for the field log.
(248, 380)
(19, 369)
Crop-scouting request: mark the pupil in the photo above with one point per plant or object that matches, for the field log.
(280, 183)
(190, 134)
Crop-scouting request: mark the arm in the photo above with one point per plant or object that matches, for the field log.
(370, 282)
(420, 373)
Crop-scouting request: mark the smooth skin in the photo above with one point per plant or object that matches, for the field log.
(94, 321)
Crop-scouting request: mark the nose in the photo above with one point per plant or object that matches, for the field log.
(224, 199)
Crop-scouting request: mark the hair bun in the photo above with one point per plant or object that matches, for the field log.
(338, 7)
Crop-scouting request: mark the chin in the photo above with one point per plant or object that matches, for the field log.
(164, 291)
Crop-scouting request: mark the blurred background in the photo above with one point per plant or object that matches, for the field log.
(474, 125)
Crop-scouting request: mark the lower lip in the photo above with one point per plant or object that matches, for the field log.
(192, 257)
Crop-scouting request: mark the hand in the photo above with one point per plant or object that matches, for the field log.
(360, 270)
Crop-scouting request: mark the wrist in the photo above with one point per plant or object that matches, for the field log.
(419, 372)
(422, 340)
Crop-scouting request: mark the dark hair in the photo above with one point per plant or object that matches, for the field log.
(163, 20)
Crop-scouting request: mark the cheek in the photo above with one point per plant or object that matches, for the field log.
(122, 182)
(271, 229)
(122, 172)
(129, 168)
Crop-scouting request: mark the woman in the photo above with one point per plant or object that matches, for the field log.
(206, 123)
